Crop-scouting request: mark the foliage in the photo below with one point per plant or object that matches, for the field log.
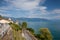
(24, 25)
(45, 34)
(31, 30)
(15, 26)
(10, 23)
(37, 36)
(1, 17)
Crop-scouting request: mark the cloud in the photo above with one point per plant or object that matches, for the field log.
(56, 11)
(33, 6)
(26, 4)
(3, 14)
(28, 8)
(54, 14)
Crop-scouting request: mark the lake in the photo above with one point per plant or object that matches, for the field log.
(54, 28)
(36, 24)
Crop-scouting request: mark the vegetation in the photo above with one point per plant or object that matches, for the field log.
(31, 30)
(17, 32)
(44, 34)
(1, 17)
(37, 36)
(15, 26)
(17, 35)
(24, 25)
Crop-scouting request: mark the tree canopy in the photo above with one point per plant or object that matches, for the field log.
(24, 25)
(15, 26)
(45, 34)
(31, 30)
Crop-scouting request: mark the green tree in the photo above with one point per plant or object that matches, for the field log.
(24, 25)
(15, 26)
(37, 36)
(0, 17)
(45, 34)
(31, 30)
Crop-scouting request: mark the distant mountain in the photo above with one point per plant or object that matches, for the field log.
(27, 19)
(32, 19)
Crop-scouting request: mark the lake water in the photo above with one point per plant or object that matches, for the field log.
(54, 28)
(52, 25)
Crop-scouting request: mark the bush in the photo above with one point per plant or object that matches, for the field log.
(45, 34)
(15, 26)
(24, 25)
(31, 30)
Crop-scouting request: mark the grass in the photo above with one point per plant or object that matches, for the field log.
(17, 35)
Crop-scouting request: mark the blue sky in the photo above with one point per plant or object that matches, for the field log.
(47, 9)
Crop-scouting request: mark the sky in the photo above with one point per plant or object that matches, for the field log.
(47, 9)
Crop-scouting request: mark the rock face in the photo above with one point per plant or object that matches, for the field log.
(5, 21)
(27, 35)
(4, 27)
